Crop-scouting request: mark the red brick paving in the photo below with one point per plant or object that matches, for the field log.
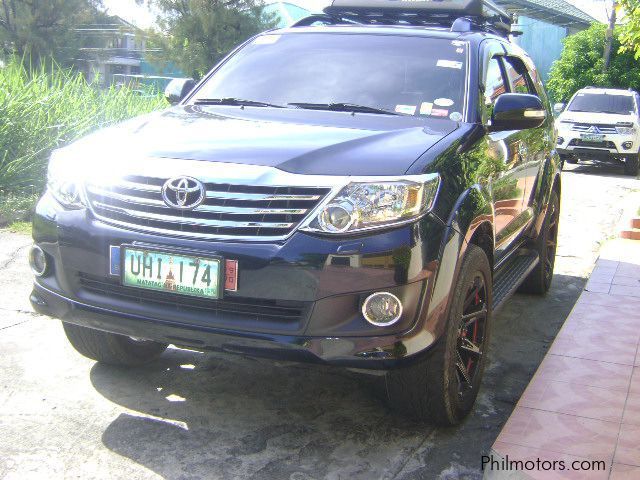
(583, 403)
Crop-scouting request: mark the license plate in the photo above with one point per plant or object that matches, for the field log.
(592, 137)
(169, 272)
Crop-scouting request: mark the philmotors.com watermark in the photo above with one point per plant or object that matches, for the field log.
(489, 462)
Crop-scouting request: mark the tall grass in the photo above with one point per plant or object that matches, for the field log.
(44, 109)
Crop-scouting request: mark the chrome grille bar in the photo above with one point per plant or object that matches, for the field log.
(104, 193)
(260, 197)
(188, 220)
(243, 202)
(584, 128)
(140, 187)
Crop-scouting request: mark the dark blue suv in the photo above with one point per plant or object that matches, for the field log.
(362, 189)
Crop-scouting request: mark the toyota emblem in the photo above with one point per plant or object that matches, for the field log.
(184, 193)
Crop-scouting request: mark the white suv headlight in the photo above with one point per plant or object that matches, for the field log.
(366, 205)
(64, 181)
(626, 130)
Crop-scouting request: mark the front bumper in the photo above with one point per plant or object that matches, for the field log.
(299, 299)
(614, 147)
(372, 353)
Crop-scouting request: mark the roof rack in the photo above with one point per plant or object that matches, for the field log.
(458, 15)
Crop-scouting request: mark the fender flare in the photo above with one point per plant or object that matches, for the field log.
(472, 211)
(551, 176)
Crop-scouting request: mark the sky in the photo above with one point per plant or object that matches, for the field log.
(599, 9)
(143, 17)
(140, 16)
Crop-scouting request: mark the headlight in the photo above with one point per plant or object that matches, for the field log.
(366, 205)
(64, 182)
(626, 130)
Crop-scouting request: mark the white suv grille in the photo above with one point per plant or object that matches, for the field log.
(589, 128)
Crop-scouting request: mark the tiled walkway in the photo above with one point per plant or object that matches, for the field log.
(584, 401)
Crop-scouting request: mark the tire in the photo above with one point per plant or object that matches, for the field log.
(632, 165)
(571, 160)
(539, 280)
(434, 389)
(110, 348)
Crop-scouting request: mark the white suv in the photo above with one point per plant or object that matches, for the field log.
(600, 124)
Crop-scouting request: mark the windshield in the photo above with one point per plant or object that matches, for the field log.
(602, 103)
(401, 74)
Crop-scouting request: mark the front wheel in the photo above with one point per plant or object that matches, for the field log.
(442, 387)
(111, 348)
(632, 165)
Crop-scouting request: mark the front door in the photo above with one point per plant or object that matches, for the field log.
(539, 140)
(508, 151)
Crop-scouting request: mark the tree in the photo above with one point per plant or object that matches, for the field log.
(630, 31)
(195, 34)
(37, 30)
(582, 64)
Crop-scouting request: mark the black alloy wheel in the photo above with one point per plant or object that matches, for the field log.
(471, 335)
(539, 280)
(551, 243)
(441, 387)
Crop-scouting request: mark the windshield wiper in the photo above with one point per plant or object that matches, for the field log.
(235, 102)
(343, 107)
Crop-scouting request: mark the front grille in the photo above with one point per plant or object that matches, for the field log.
(228, 308)
(582, 143)
(228, 210)
(586, 127)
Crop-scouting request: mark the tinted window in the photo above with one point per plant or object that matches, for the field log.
(400, 73)
(601, 103)
(494, 83)
(494, 86)
(518, 77)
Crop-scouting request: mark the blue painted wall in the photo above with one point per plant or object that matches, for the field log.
(542, 41)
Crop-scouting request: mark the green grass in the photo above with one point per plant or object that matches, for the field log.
(23, 228)
(15, 207)
(47, 108)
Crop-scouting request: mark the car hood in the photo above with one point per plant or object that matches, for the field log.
(597, 118)
(293, 140)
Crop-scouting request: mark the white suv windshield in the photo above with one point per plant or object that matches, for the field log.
(404, 74)
(602, 103)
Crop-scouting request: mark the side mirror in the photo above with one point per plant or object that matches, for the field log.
(177, 89)
(517, 111)
(559, 108)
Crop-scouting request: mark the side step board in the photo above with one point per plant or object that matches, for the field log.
(510, 276)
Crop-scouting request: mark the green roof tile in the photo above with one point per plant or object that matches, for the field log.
(558, 12)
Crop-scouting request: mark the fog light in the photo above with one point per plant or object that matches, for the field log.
(382, 309)
(627, 145)
(37, 261)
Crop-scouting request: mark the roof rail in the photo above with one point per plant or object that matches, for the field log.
(458, 15)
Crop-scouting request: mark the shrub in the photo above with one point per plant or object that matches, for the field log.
(47, 108)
